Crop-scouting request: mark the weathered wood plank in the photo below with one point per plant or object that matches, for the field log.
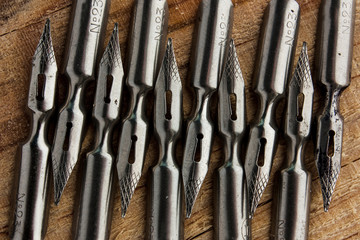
(21, 23)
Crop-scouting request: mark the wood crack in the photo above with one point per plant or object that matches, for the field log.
(200, 234)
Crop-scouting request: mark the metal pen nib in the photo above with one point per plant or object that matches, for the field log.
(86, 33)
(273, 67)
(29, 219)
(214, 24)
(147, 46)
(334, 56)
(93, 215)
(165, 202)
(293, 198)
(231, 202)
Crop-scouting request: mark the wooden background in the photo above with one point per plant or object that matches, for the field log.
(21, 23)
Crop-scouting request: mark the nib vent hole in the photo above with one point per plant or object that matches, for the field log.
(109, 82)
(131, 159)
(261, 156)
(168, 97)
(331, 144)
(233, 106)
(67, 136)
(197, 157)
(40, 87)
(300, 106)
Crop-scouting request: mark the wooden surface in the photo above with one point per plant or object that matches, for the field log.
(21, 23)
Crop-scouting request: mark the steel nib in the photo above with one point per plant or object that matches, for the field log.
(214, 27)
(334, 61)
(31, 188)
(95, 200)
(231, 201)
(82, 53)
(294, 181)
(165, 195)
(272, 70)
(147, 46)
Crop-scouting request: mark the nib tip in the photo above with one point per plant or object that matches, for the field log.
(47, 25)
(127, 189)
(327, 204)
(327, 201)
(112, 55)
(123, 212)
(58, 194)
(328, 178)
(189, 207)
(256, 188)
(169, 69)
(169, 43)
(191, 193)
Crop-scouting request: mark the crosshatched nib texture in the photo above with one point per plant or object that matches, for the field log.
(62, 171)
(256, 189)
(169, 67)
(112, 56)
(232, 65)
(44, 53)
(191, 191)
(298, 121)
(127, 188)
(302, 74)
(328, 181)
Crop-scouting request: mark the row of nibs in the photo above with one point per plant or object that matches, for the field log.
(44, 64)
(109, 81)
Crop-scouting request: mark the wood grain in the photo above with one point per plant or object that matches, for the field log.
(21, 23)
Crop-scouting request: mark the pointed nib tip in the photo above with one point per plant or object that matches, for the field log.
(191, 192)
(44, 57)
(127, 188)
(47, 23)
(59, 187)
(169, 50)
(169, 42)
(253, 206)
(189, 208)
(123, 212)
(57, 197)
(58, 194)
(46, 31)
(304, 47)
(328, 178)
(169, 70)
(112, 54)
(125, 201)
(115, 30)
(115, 34)
(327, 201)
(256, 187)
(232, 42)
